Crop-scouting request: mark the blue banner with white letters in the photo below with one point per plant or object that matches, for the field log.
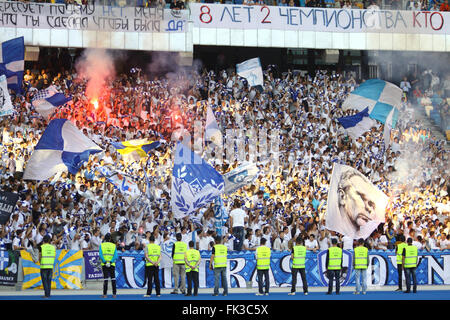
(434, 268)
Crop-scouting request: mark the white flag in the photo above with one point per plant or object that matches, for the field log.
(6, 107)
(251, 70)
(355, 207)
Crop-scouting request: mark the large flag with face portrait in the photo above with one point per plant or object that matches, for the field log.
(355, 206)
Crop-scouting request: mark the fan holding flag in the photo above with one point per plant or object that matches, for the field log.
(47, 100)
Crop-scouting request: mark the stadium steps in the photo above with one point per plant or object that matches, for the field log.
(431, 123)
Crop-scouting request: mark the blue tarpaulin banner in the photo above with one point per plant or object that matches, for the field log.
(434, 268)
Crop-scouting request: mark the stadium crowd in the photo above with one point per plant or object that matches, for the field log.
(282, 203)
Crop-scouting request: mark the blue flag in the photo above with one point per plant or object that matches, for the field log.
(194, 182)
(357, 124)
(379, 96)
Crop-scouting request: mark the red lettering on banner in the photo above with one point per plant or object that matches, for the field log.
(426, 18)
(431, 20)
(268, 13)
(415, 14)
(207, 12)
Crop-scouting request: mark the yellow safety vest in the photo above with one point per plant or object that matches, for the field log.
(400, 248)
(220, 256)
(193, 256)
(411, 257)
(48, 254)
(361, 257)
(262, 258)
(180, 248)
(153, 252)
(335, 258)
(108, 249)
(298, 261)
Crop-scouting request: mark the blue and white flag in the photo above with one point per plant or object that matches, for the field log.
(6, 107)
(379, 96)
(357, 124)
(239, 177)
(220, 215)
(194, 182)
(251, 70)
(12, 62)
(62, 147)
(125, 185)
(212, 131)
(47, 100)
(4, 259)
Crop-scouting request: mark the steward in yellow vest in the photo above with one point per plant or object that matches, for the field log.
(401, 245)
(360, 263)
(152, 258)
(179, 269)
(108, 256)
(218, 263)
(298, 257)
(262, 267)
(334, 266)
(47, 256)
(192, 259)
(410, 259)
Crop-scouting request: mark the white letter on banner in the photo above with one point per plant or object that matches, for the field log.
(128, 268)
(286, 267)
(240, 280)
(442, 271)
(377, 274)
(202, 273)
(272, 281)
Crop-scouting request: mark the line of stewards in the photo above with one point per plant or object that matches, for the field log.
(108, 256)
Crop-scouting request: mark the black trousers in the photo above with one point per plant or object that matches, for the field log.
(263, 284)
(410, 274)
(109, 273)
(400, 271)
(294, 279)
(46, 276)
(192, 278)
(334, 275)
(152, 276)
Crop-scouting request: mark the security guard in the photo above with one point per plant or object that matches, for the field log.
(400, 247)
(192, 260)
(298, 257)
(410, 259)
(218, 262)
(334, 265)
(47, 256)
(262, 266)
(360, 264)
(152, 258)
(108, 257)
(179, 269)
